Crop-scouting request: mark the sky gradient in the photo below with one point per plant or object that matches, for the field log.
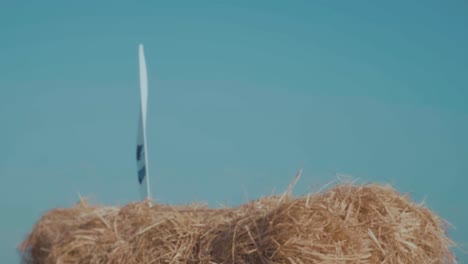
(241, 95)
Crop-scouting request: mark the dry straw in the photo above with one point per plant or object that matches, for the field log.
(346, 224)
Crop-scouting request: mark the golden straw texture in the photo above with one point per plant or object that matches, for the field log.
(345, 224)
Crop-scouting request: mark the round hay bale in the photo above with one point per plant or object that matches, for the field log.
(134, 233)
(345, 224)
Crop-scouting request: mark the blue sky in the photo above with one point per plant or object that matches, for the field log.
(241, 96)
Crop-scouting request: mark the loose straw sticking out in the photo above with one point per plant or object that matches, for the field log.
(345, 224)
(288, 191)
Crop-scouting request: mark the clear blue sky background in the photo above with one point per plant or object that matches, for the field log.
(242, 95)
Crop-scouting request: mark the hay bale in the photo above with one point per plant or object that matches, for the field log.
(346, 224)
(134, 233)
